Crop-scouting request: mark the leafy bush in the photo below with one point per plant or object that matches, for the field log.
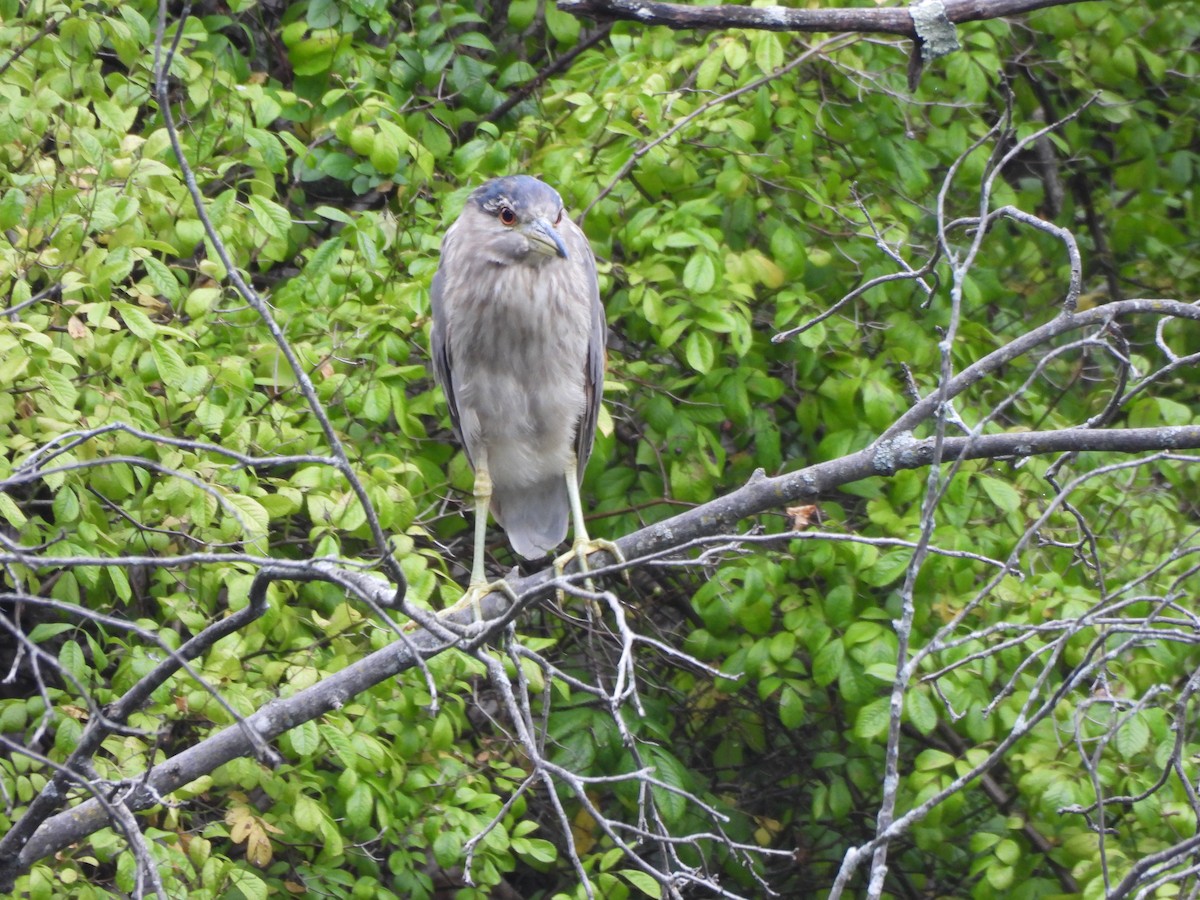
(161, 452)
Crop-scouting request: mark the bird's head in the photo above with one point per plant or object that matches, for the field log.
(516, 219)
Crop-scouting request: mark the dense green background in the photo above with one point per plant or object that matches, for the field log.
(334, 142)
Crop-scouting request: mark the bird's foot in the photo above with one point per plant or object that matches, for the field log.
(579, 552)
(476, 591)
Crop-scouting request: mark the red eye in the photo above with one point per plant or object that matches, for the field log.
(507, 216)
(558, 221)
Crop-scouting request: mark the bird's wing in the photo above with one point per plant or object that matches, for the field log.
(439, 349)
(593, 373)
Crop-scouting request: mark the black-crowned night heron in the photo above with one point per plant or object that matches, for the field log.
(518, 347)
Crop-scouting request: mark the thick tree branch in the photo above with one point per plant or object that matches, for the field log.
(896, 20)
(760, 495)
(99, 727)
(896, 449)
(267, 723)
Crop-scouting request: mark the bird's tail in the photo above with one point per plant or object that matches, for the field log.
(535, 516)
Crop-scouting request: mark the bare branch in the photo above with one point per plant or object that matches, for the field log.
(641, 151)
(760, 495)
(162, 65)
(524, 90)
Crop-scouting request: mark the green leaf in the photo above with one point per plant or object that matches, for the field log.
(250, 885)
(315, 55)
(61, 387)
(564, 27)
(1132, 737)
(340, 744)
(1000, 877)
(768, 52)
(200, 301)
(539, 850)
(190, 231)
(162, 278)
(377, 404)
(13, 716)
(920, 711)
(250, 514)
(396, 135)
(827, 664)
(12, 208)
(699, 351)
(171, 367)
(273, 218)
(359, 806)
(880, 404)
(840, 799)
(10, 511)
(521, 13)
(783, 646)
(120, 583)
(306, 813)
(885, 672)
(643, 881)
(931, 760)
(447, 849)
(385, 153)
(736, 54)
(335, 215)
(137, 321)
(669, 770)
(1004, 495)
(338, 165)
(873, 719)
(323, 13)
(305, 738)
(1173, 412)
(475, 40)
(115, 117)
(814, 338)
(70, 656)
(710, 70)
(791, 708)
(888, 568)
(700, 273)
(1008, 851)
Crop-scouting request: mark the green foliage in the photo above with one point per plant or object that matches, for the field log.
(332, 145)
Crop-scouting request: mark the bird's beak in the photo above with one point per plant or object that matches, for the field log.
(545, 238)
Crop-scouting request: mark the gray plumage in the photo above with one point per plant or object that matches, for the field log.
(518, 347)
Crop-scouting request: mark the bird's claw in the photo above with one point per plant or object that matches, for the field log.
(475, 593)
(579, 552)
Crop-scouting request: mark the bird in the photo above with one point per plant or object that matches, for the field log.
(518, 347)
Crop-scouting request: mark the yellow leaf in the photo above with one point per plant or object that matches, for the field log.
(258, 847)
(251, 830)
(768, 273)
(582, 830)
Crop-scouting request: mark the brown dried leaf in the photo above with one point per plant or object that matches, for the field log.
(803, 517)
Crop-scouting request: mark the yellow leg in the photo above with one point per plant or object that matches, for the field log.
(483, 499)
(581, 544)
(479, 587)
